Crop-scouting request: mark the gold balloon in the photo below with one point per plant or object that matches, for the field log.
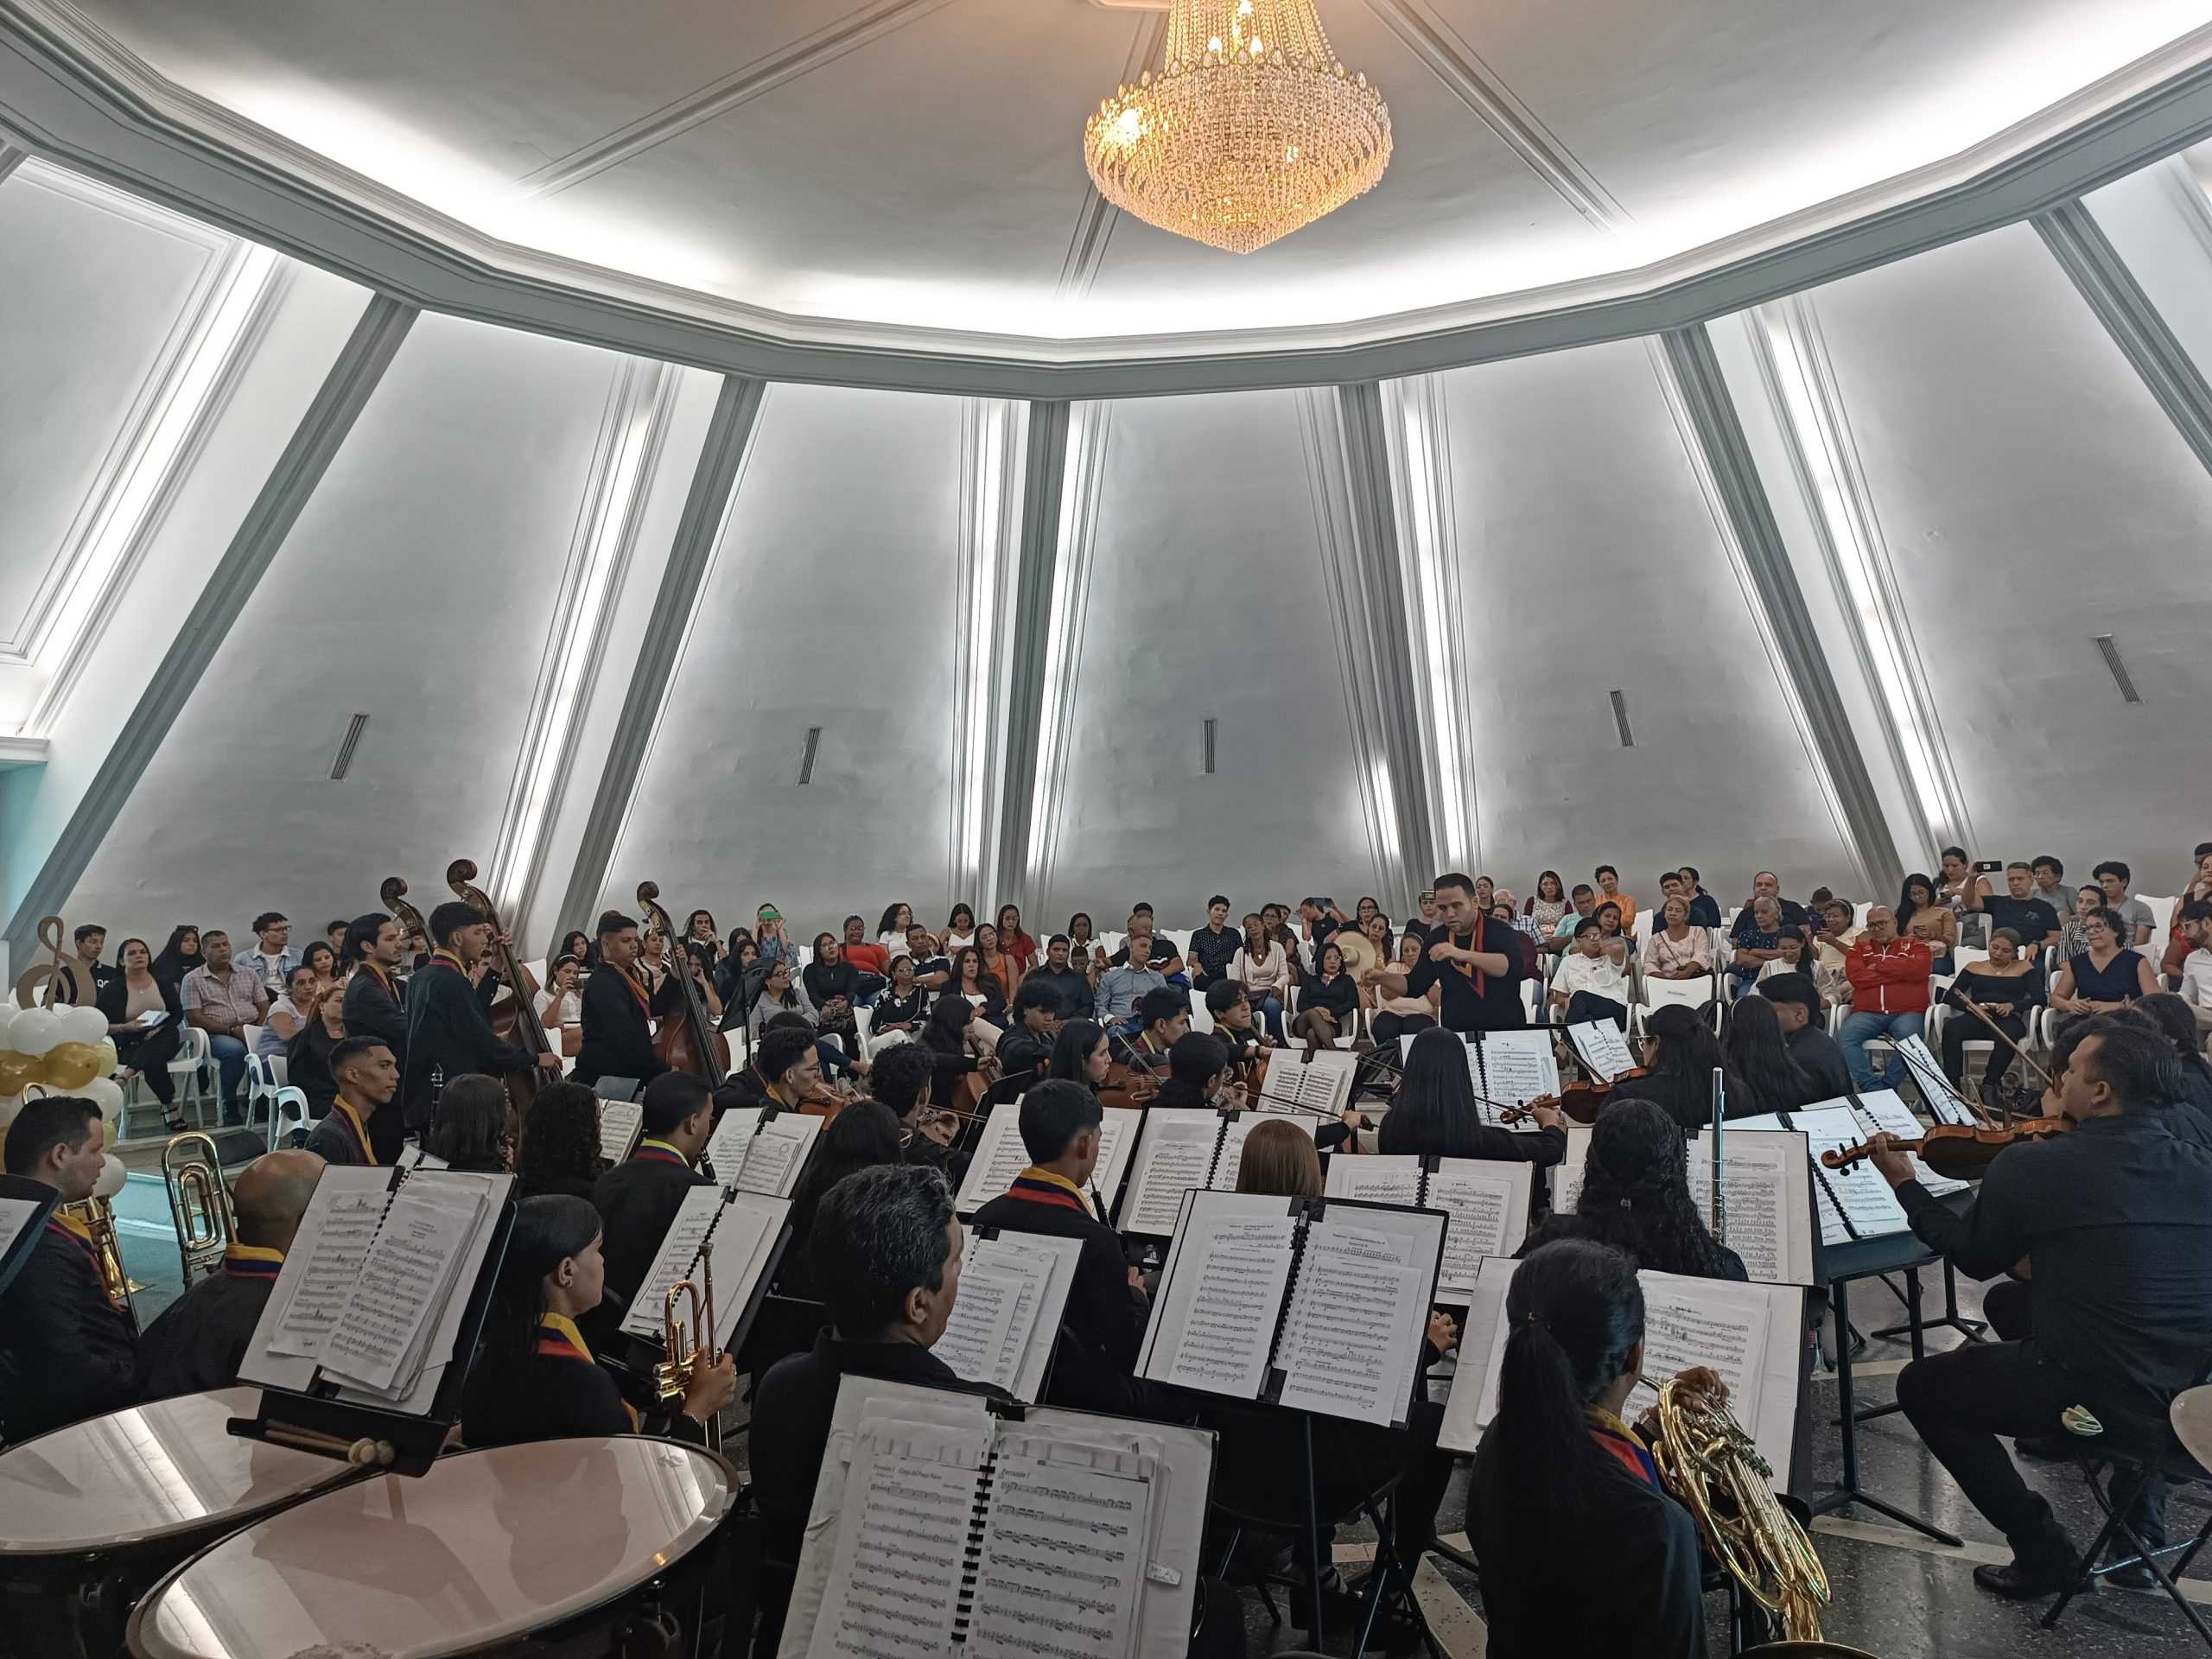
(71, 1065)
(108, 1058)
(18, 1071)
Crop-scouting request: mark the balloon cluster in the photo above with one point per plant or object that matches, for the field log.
(66, 1050)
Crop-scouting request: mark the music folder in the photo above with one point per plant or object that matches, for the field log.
(1321, 1305)
(748, 1234)
(1766, 1188)
(754, 1149)
(1181, 1148)
(1000, 1156)
(948, 1522)
(372, 1323)
(1006, 1320)
(1507, 1068)
(621, 1122)
(1485, 1200)
(1318, 1081)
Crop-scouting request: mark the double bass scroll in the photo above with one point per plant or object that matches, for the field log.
(514, 1021)
(691, 1043)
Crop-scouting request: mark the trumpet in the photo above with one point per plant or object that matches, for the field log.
(200, 1205)
(687, 1326)
(97, 1214)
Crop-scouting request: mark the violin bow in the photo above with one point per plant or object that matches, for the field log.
(1982, 1014)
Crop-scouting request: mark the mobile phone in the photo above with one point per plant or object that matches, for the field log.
(1427, 895)
(1986, 866)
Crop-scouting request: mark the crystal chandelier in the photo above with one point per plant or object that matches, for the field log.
(1250, 130)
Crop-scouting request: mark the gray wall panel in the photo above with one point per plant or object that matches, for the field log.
(2033, 495)
(1591, 563)
(1206, 601)
(830, 603)
(416, 586)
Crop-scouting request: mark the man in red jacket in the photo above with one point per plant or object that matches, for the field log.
(1889, 991)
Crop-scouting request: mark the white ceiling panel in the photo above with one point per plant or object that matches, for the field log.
(830, 604)
(2032, 496)
(1206, 601)
(95, 291)
(419, 587)
(1590, 562)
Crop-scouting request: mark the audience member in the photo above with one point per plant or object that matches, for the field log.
(1394, 1017)
(2137, 924)
(2106, 976)
(2195, 925)
(1547, 907)
(222, 998)
(144, 1022)
(897, 1015)
(84, 977)
(2074, 931)
(1756, 938)
(291, 1011)
(1919, 916)
(2032, 921)
(1589, 984)
(179, 957)
(1676, 950)
(1609, 893)
(272, 958)
(1328, 1003)
(2050, 886)
(1121, 988)
(1889, 991)
(2006, 988)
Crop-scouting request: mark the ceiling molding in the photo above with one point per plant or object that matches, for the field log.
(10, 159)
(22, 751)
(69, 92)
(826, 45)
(1475, 84)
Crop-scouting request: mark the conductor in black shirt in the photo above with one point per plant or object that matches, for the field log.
(449, 1020)
(2115, 1223)
(617, 1038)
(66, 1347)
(1102, 1325)
(1798, 1010)
(1476, 959)
(639, 1198)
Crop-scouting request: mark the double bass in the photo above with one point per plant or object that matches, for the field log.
(512, 1021)
(394, 894)
(690, 1043)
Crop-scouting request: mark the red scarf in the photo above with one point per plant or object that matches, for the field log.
(444, 958)
(658, 1152)
(1033, 1189)
(1474, 943)
(636, 990)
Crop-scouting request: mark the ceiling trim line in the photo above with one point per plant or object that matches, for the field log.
(73, 95)
(344, 391)
(10, 159)
(2086, 254)
(1711, 435)
(698, 533)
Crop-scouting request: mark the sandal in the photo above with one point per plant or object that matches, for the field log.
(174, 1121)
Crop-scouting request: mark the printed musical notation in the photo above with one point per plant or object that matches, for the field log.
(1218, 1321)
(1345, 1348)
(1061, 1566)
(909, 1505)
(1177, 1155)
(346, 1227)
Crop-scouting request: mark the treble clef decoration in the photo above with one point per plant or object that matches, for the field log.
(59, 989)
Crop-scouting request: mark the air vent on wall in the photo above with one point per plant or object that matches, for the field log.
(2120, 676)
(1620, 719)
(347, 745)
(1206, 756)
(806, 762)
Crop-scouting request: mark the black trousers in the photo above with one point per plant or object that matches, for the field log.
(1962, 1400)
(1586, 1006)
(1387, 1027)
(1962, 1028)
(150, 1052)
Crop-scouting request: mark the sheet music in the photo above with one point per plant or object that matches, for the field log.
(1319, 1083)
(1858, 1195)
(1233, 1135)
(1215, 1321)
(1883, 1110)
(726, 1145)
(326, 1257)
(1750, 1335)
(774, 1155)
(15, 1215)
(1767, 1189)
(679, 1249)
(1000, 1156)
(1376, 1178)
(380, 1335)
(619, 1123)
(909, 1502)
(1519, 1065)
(1117, 1139)
(1352, 1341)
(1174, 1155)
(1567, 1174)
(1944, 1101)
(1488, 1204)
(1603, 1048)
(1062, 1563)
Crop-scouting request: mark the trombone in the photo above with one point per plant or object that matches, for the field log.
(687, 1326)
(200, 1205)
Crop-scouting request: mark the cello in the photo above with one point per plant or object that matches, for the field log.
(512, 1021)
(690, 1044)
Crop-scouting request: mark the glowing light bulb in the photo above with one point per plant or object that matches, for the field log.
(1258, 45)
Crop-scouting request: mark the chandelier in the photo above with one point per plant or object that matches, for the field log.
(1250, 130)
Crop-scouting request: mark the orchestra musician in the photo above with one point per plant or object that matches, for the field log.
(1558, 1463)
(1197, 1074)
(1026, 1048)
(619, 1007)
(901, 1081)
(67, 1349)
(368, 1076)
(1433, 1114)
(449, 1013)
(1475, 959)
(639, 1198)
(1636, 1198)
(1229, 1005)
(783, 1074)
(535, 1378)
(1082, 1054)
(2113, 1223)
(374, 1004)
(1102, 1325)
(200, 1339)
(1163, 1015)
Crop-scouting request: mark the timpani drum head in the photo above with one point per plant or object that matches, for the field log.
(140, 1475)
(487, 1547)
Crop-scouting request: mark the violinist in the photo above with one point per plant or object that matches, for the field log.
(2114, 1223)
(1796, 1002)
(1680, 1053)
(619, 1010)
(1229, 1005)
(1636, 1198)
(1476, 960)
(783, 1074)
(449, 1021)
(1434, 1115)
(1082, 1054)
(1026, 1048)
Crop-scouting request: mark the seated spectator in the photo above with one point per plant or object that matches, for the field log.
(1328, 1004)
(561, 1004)
(865, 957)
(1757, 938)
(1263, 969)
(833, 986)
(290, 1011)
(2051, 886)
(1082, 940)
(1636, 1196)
(1214, 946)
(702, 939)
(1393, 1017)
(1797, 1011)
(222, 998)
(1609, 893)
(977, 986)
(1144, 946)
(1014, 941)
(144, 1022)
(1547, 908)
(1590, 984)
(83, 977)
(468, 1128)
(1921, 917)
(1676, 950)
(1759, 1056)
(1793, 960)
(2106, 976)
(1889, 991)
(2008, 989)
(1961, 887)
(1434, 1115)
(1612, 931)
(2137, 924)
(1530, 948)
(2074, 930)
(1121, 988)
(560, 1143)
(895, 929)
(959, 930)
(1767, 885)
(1070, 976)
(1704, 909)
(867, 1135)
(307, 1068)
(2195, 925)
(179, 957)
(898, 1015)
(1839, 932)
(1584, 905)
(1680, 1055)
(2179, 944)
(272, 958)
(2032, 920)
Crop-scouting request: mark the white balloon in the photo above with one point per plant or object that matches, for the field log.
(106, 1092)
(34, 1031)
(113, 1176)
(87, 1026)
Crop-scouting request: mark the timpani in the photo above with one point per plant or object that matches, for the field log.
(566, 1547)
(91, 1514)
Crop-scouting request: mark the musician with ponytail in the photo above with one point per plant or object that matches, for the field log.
(1636, 1198)
(1583, 1553)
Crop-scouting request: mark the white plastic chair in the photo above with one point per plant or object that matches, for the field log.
(287, 1111)
(864, 1028)
(264, 1077)
(1201, 1015)
(194, 1070)
(1640, 929)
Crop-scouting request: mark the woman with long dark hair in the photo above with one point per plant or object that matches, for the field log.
(179, 957)
(1080, 1054)
(1680, 1052)
(865, 1133)
(2177, 1022)
(560, 1143)
(1328, 1003)
(1757, 1054)
(959, 928)
(142, 1044)
(1636, 1196)
(1557, 1462)
(1433, 1113)
(1014, 941)
(1922, 916)
(891, 927)
(469, 1129)
(535, 1379)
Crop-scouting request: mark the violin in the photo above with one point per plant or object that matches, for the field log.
(690, 1044)
(1125, 1086)
(1585, 1098)
(512, 1021)
(1958, 1151)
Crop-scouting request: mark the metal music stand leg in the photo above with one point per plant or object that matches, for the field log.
(1312, 1542)
(1849, 1491)
(1949, 1319)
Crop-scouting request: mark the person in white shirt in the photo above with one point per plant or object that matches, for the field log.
(2195, 924)
(1590, 984)
(272, 959)
(561, 1005)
